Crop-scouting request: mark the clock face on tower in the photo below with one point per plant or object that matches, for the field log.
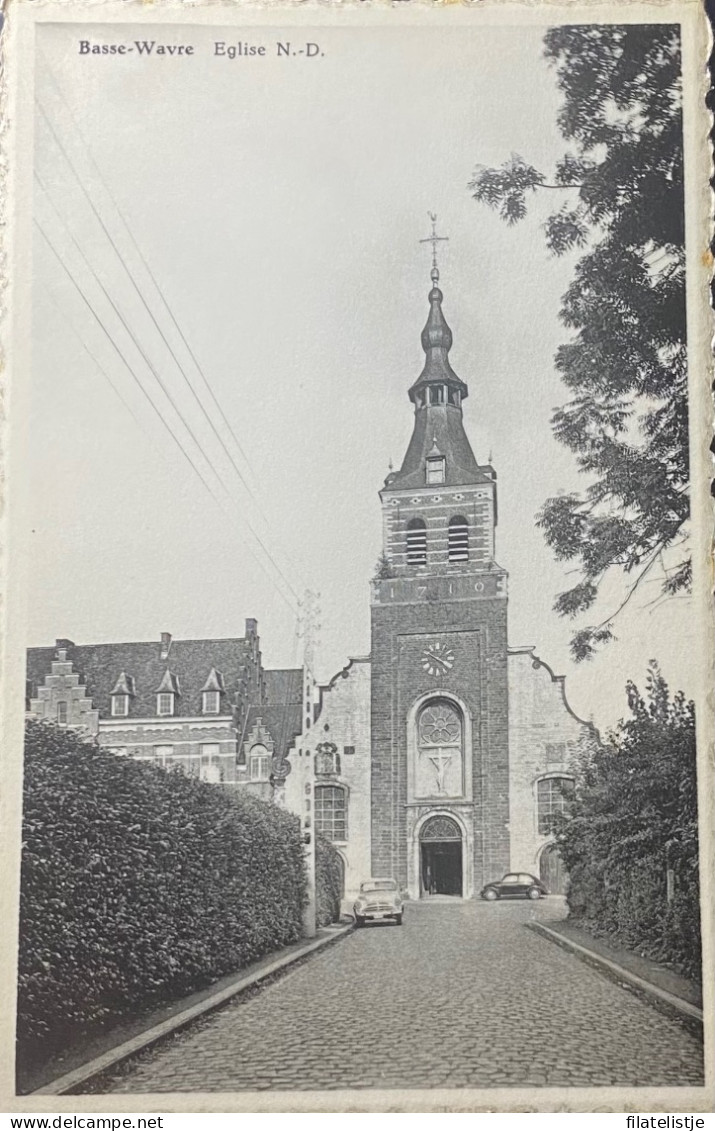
(437, 658)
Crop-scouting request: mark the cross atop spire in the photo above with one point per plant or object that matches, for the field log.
(434, 239)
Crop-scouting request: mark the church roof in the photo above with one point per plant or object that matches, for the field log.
(281, 712)
(188, 664)
(438, 428)
(437, 342)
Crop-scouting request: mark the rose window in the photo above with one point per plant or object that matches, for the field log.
(440, 725)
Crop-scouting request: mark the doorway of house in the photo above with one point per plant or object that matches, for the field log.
(440, 857)
(552, 871)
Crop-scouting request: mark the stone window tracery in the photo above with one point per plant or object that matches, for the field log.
(439, 750)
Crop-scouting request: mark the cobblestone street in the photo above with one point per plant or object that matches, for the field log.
(462, 995)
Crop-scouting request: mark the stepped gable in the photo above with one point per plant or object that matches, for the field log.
(281, 709)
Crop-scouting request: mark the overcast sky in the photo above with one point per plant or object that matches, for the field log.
(279, 203)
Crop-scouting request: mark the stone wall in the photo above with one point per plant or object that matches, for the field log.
(344, 720)
(543, 734)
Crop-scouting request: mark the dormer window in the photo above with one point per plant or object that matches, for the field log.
(211, 702)
(120, 706)
(211, 693)
(121, 693)
(436, 468)
(165, 703)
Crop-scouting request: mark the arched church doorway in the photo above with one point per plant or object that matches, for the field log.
(552, 871)
(440, 857)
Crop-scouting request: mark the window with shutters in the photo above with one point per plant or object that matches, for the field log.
(417, 542)
(435, 470)
(458, 539)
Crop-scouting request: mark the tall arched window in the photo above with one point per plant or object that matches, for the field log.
(331, 812)
(416, 542)
(439, 743)
(458, 539)
(551, 796)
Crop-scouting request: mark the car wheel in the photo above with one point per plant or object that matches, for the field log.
(398, 920)
(534, 893)
(359, 922)
(490, 894)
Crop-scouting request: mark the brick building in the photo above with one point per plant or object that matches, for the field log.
(442, 757)
(206, 707)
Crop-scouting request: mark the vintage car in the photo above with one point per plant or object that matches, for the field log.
(379, 900)
(514, 885)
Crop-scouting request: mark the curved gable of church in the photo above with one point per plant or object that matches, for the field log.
(544, 734)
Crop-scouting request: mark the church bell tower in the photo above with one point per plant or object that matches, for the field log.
(439, 730)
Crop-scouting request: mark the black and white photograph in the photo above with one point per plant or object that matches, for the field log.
(358, 638)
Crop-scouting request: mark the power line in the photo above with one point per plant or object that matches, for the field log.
(119, 351)
(165, 424)
(138, 290)
(159, 380)
(164, 302)
(87, 148)
(115, 388)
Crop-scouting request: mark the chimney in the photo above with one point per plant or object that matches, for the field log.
(251, 627)
(165, 645)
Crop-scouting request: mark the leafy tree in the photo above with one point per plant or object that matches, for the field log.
(619, 193)
(632, 817)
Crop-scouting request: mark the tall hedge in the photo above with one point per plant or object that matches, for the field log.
(138, 886)
(328, 882)
(632, 820)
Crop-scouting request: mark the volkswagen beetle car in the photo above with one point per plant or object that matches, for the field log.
(379, 900)
(514, 885)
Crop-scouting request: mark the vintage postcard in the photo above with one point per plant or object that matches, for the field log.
(357, 651)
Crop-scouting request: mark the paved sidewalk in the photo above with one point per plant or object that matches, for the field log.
(654, 972)
(461, 995)
(101, 1049)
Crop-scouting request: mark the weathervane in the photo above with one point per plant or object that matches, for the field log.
(434, 239)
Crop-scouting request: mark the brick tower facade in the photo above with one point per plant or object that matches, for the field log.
(439, 725)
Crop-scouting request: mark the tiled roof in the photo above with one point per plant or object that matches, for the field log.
(282, 709)
(189, 662)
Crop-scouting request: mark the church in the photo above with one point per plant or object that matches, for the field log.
(442, 758)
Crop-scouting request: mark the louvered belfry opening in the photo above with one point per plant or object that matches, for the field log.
(416, 542)
(458, 539)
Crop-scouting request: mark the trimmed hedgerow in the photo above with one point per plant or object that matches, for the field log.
(139, 886)
(328, 882)
(632, 820)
